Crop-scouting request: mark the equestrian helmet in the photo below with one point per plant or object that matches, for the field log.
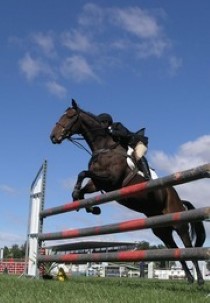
(105, 118)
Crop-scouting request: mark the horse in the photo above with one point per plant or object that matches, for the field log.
(108, 170)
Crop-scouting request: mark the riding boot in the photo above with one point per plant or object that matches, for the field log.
(143, 165)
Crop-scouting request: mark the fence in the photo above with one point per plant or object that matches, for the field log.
(12, 267)
(38, 214)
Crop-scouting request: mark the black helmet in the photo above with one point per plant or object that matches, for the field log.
(105, 118)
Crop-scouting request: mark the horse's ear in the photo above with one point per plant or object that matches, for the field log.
(74, 104)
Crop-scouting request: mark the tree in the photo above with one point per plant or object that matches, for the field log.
(15, 252)
(6, 252)
(143, 245)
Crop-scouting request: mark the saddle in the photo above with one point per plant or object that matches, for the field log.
(132, 165)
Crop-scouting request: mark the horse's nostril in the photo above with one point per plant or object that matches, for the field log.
(53, 139)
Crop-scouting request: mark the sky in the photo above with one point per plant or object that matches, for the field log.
(147, 63)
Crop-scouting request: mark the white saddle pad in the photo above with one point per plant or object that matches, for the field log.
(132, 165)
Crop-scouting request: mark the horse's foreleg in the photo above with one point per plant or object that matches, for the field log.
(88, 189)
(77, 188)
(79, 192)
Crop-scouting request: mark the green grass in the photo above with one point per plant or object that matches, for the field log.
(100, 290)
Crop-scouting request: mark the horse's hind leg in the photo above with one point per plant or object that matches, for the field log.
(199, 274)
(183, 232)
(165, 234)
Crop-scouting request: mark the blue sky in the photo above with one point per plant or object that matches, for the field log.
(145, 62)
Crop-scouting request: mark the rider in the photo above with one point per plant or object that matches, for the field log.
(138, 141)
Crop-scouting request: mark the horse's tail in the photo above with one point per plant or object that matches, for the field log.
(197, 228)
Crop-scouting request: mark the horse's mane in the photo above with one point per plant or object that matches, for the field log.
(88, 113)
(91, 115)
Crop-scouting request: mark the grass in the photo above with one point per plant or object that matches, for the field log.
(100, 290)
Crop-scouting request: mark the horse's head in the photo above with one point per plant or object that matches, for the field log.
(74, 121)
(67, 125)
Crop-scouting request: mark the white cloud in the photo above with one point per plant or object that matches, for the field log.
(137, 21)
(77, 68)
(45, 42)
(32, 67)
(175, 64)
(189, 155)
(92, 14)
(144, 35)
(7, 189)
(103, 35)
(56, 89)
(144, 26)
(154, 47)
(197, 148)
(134, 20)
(77, 41)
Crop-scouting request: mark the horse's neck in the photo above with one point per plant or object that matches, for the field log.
(94, 135)
(99, 141)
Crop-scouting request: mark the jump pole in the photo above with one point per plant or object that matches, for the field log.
(199, 172)
(177, 254)
(199, 214)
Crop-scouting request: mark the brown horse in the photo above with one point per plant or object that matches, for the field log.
(108, 170)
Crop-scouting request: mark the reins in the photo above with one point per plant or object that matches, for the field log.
(78, 144)
(81, 146)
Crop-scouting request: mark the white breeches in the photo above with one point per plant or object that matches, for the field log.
(139, 150)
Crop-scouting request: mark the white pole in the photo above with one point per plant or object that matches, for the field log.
(151, 270)
(37, 197)
(1, 254)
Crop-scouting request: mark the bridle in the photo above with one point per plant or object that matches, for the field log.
(66, 130)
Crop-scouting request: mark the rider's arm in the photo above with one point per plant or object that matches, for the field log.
(119, 130)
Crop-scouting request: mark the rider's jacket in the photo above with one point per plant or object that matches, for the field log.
(125, 137)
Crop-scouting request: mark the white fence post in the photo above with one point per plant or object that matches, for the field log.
(37, 200)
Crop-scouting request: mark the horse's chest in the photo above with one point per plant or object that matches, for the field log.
(105, 160)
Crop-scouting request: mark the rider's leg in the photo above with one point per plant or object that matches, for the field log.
(139, 152)
(143, 164)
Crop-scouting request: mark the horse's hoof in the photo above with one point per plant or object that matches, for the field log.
(75, 195)
(96, 210)
(190, 280)
(93, 210)
(200, 281)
